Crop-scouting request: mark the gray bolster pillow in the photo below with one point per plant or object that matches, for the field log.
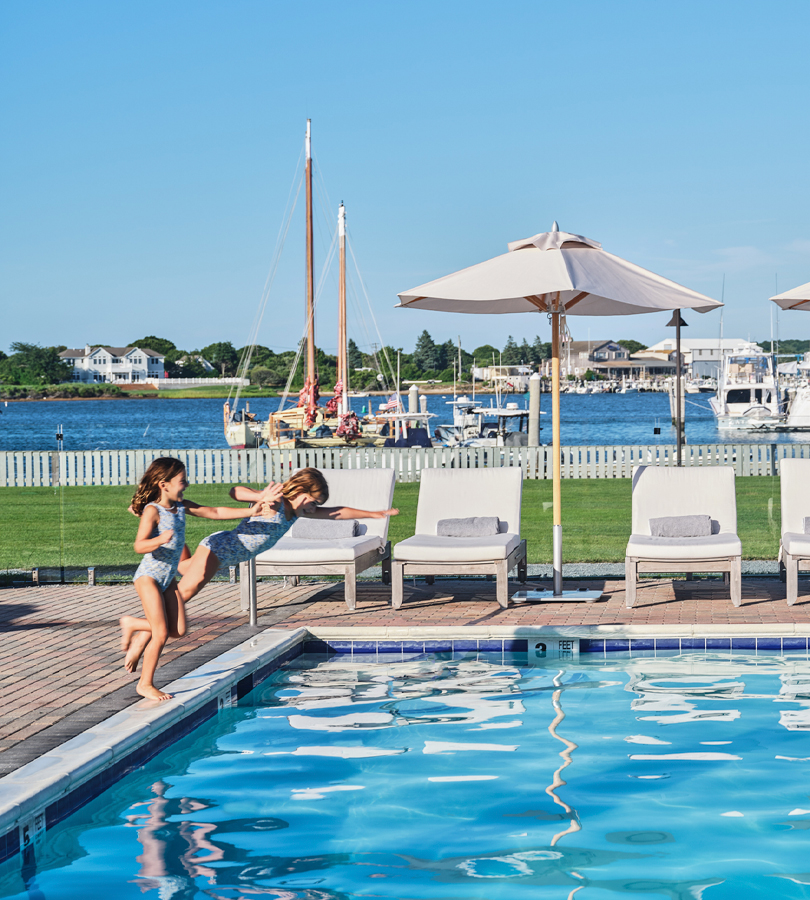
(473, 526)
(681, 526)
(323, 529)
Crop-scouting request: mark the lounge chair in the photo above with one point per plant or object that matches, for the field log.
(666, 491)
(346, 556)
(460, 494)
(794, 549)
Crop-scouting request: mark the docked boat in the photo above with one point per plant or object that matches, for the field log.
(485, 426)
(748, 395)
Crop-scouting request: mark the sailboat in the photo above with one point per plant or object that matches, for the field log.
(308, 424)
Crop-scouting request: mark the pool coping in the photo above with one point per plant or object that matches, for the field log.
(43, 792)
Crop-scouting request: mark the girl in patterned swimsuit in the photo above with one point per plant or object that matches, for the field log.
(301, 495)
(161, 537)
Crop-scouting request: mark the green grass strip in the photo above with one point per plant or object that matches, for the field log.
(95, 529)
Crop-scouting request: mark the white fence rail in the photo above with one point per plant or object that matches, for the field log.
(41, 468)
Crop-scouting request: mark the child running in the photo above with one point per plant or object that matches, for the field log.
(161, 538)
(303, 494)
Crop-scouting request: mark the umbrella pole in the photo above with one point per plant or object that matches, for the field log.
(555, 450)
(557, 592)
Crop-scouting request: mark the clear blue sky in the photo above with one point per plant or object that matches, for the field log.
(147, 150)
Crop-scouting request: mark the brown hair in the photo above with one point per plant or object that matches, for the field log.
(164, 468)
(307, 481)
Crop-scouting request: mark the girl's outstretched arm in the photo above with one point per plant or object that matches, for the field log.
(222, 512)
(248, 495)
(345, 512)
(143, 542)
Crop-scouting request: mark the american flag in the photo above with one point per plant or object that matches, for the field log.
(393, 401)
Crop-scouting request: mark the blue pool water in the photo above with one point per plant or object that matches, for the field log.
(477, 776)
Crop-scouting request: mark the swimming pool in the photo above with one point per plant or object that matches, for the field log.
(464, 774)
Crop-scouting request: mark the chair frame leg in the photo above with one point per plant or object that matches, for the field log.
(630, 579)
(350, 587)
(792, 577)
(736, 580)
(502, 584)
(397, 583)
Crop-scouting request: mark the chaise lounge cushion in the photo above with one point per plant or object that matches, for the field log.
(296, 550)
(796, 544)
(433, 548)
(307, 529)
(471, 526)
(681, 526)
(715, 546)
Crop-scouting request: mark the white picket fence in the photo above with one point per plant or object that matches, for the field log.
(41, 468)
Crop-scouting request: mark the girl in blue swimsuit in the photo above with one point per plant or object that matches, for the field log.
(301, 495)
(161, 538)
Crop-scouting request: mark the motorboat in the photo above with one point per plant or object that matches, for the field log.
(485, 426)
(748, 395)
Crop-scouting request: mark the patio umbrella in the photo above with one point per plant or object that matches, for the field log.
(559, 274)
(798, 298)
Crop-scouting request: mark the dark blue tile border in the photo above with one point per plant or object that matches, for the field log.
(743, 643)
(589, 645)
(718, 643)
(794, 643)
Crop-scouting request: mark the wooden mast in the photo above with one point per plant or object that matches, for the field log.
(343, 355)
(310, 372)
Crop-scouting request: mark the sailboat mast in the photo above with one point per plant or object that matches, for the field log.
(343, 355)
(310, 373)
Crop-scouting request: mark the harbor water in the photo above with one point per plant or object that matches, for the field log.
(155, 423)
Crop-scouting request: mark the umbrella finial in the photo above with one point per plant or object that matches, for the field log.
(555, 226)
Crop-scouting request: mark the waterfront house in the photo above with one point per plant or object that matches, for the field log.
(127, 365)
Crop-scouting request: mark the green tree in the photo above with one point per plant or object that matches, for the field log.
(540, 350)
(32, 364)
(425, 355)
(190, 367)
(483, 354)
(632, 346)
(511, 353)
(790, 346)
(263, 376)
(355, 356)
(223, 357)
(159, 345)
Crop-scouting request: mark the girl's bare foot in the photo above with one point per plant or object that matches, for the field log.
(127, 624)
(150, 692)
(136, 648)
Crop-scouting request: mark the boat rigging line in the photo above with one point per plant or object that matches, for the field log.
(247, 353)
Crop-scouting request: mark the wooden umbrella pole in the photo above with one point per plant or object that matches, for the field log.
(555, 447)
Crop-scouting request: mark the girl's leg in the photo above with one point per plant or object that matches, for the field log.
(135, 633)
(155, 609)
(185, 560)
(175, 611)
(201, 570)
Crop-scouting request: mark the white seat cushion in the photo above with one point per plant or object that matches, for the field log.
(432, 548)
(713, 547)
(295, 550)
(796, 544)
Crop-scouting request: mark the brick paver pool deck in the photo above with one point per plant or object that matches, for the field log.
(61, 668)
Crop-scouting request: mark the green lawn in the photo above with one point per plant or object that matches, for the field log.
(91, 525)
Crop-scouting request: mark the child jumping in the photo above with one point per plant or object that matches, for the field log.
(303, 494)
(161, 539)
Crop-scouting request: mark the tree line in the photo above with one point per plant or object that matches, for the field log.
(31, 364)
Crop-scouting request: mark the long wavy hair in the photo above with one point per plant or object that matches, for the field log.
(307, 481)
(164, 468)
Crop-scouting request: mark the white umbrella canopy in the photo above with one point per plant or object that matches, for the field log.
(590, 282)
(798, 298)
(558, 273)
